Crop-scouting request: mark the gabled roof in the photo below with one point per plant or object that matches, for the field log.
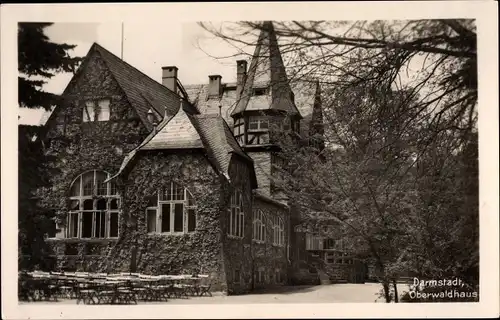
(316, 126)
(267, 70)
(199, 131)
(142, 92)
(198, 95)
(177, 133)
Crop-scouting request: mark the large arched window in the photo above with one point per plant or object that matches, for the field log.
(171, 210)
(236, 215)
(94, 207)
(259, 227)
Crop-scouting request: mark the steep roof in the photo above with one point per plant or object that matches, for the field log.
(142, 92)
(304, 92)
(177, 133)
(317, 126)
(199, 131)
(267, 70)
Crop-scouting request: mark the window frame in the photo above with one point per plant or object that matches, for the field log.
(259, 226)
(278, 232)
(82, 198)
(236, 215)
(96, 106)
(187, 202)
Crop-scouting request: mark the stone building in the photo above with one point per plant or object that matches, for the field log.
(166, 178)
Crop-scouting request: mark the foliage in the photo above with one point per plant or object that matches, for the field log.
(38, 59)
(34, 221)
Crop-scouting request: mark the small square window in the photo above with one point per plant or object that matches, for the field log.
(259, 91)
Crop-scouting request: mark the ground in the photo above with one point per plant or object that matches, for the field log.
(368, 292)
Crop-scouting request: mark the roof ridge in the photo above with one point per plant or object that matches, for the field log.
(131, 66)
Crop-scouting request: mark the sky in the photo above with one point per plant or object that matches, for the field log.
(147, 47)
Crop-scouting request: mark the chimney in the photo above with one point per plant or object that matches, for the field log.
(241, 71)
(169, 77)
(214, 86)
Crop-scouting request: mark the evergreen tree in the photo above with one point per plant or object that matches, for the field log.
(38, 59)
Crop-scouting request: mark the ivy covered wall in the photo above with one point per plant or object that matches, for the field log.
(165, 253)
(79, 146)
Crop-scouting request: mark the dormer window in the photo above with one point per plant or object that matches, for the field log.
(96, 110)
(258, 123)
(259, 91)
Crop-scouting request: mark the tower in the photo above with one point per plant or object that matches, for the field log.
(265, 107)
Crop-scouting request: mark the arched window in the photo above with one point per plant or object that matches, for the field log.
(259, 227)
(278, 231)
(171, 210)
(236, 215)
(94, 207)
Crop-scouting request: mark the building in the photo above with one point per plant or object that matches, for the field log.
(171, 178)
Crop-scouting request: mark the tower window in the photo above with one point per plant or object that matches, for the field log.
(258, 123)
(259, 91)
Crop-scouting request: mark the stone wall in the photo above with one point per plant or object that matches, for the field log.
(237, 251)
(76, 147)
(268, 257)
(165, 253)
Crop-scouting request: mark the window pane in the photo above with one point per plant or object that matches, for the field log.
(165, 217)
(178, 192)
(151, 220)
(88, 111)
(75, 188)
(190, 199)
(74, 205)
(88, 183)
(102, 188)
(264, 124)
(87, 224)
(253, 125)
(114, 189)
(88, 204)
(103, 110)
(113, 204)
(73, 225)
(191, 220)
(100, 224)
(101, 204)
(264, 138)
(113, 224)
(179, 217)
(236, 217)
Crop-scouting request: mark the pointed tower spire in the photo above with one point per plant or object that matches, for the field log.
(317, 126)
(266, 86)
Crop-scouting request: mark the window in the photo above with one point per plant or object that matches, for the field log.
(258, 123)
(314, 242)
(171, 210)
(329, 243)
(94, 207)
(236, 215)
(239, 130)
(278, 277)
(96, 110)
(260, 276)
(259, 228)
(237, 276)
(259, 91)
(278, 231)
